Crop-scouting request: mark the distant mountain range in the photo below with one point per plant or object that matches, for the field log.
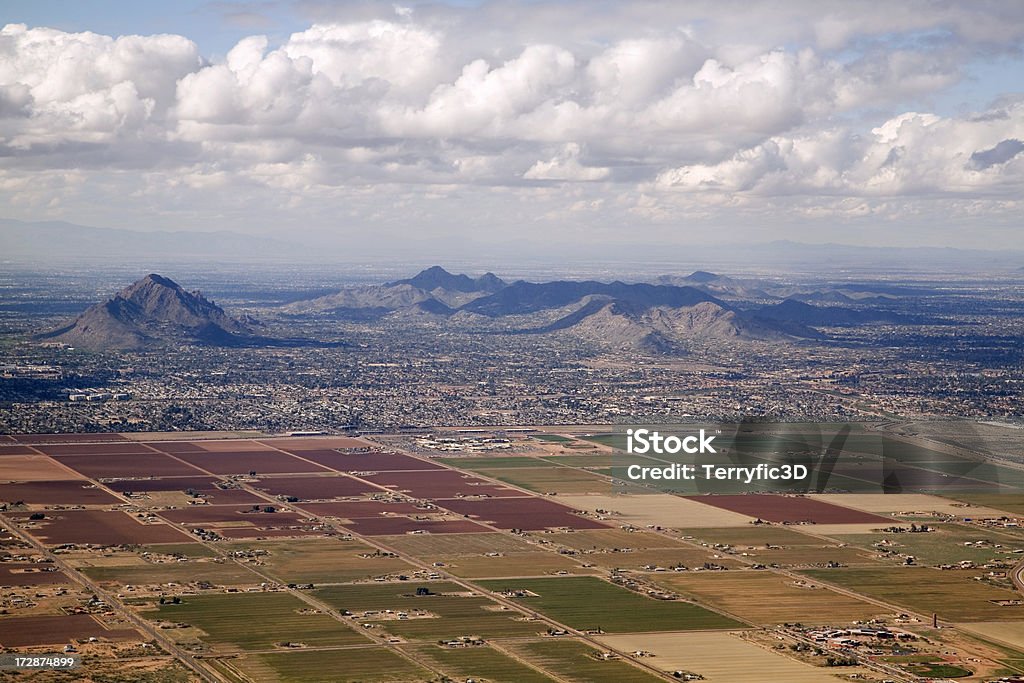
(639, 315)
(156, 311)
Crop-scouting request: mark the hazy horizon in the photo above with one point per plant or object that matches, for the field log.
(480, 129)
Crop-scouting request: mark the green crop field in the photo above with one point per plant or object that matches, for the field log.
(362, 665)
(946, 545)
(253, 621)
(954, 595)
(604, 460)
(551, 438)
(479, 663)
(499, 463)
(217, 573)
(1010, 502)
(551, 480)
(590, 603)
(453, 615)
(186, 549)
(576, 661)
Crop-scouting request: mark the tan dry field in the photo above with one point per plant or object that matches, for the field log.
(837, 529)
(1007, 632)
(718, 657)
(180, 436)
(904, 503)
(756, 536)
(323, 560)
(539, 563)
(764, 597)
(665, 558)
(233, 446)
(660, 509)
(33, 468)
(317, 443)
(608, 539)
(558, 480)
(430, 545)
(809, 555)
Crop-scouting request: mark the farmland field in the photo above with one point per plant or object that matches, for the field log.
(216, 573)
(100, 527)
(457, 536)
(474, 464)
(512, 564)
(718, 657)
(791, 509)
(954, 595)
(30, 467)
(662, 509)
(589, 603)
(56, 630)
(1005, 501)
(778, 598)
(255, 621)
(456, 544)
(318, 561)
(74, 492)
(574, 661)
(550, 479)
(901, 503)
(523, 513)
(454, 612)
(352, 665)
(756, 535)
(480, 663)
(946, 544)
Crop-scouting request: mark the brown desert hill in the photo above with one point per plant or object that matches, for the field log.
(155, 311)
(431, 293)
(659, 328)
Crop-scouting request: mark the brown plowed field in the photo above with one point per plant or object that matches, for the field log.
(366, 462)
(358, 510)
(177, 446)
(441, 484)
(17, 450)
(384, 526)
(31, 468)
(166, 484)
(98, 527)
(211, 514)
(140, 465)
(55, 630)
(95, 449)
(25, 574)
(243, 462)
(243, 533)
(313, 488)
(790, 509)
(56, 493)
(316, 443)
(522, 513)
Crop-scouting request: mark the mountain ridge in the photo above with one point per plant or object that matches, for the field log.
(153, 311)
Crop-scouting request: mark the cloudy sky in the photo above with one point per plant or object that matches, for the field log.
(474, 124)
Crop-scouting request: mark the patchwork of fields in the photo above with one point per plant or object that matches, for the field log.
(337, 558)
